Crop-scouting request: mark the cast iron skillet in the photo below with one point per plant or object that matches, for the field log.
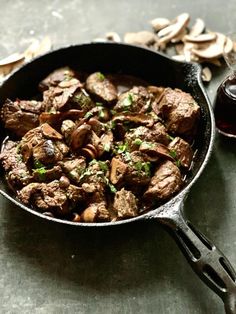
(203, 256)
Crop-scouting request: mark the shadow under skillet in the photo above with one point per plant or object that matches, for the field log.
(133, 261)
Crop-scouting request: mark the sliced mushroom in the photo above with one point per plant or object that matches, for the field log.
(159, 23)
(229, 45)
(79, 135)
(155, 151)
(197, 28)
(206, 74)
(139, 118)
(89, 151)
(14, 58)
(50, 133)
(57, 117)
(202, 38)
(213, 50)
(113, 36)
(175, 29)
(140, 38)
(179, 37)
(118, 170)
(106, 142)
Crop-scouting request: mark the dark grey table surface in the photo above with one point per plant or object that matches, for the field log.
(49, 268)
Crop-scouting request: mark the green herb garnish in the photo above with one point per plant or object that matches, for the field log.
(112, 188)
(107, 147)
(143, 166)
(99, 104)
(137, 141)
(113, 112)
(122, 148)
(101, 114)
(38, 164)
(171, 138)
(173, 153)
(128, 101)
(41, 172)
(88, 115)
(100, 76)
(103, 166)
(178, 163)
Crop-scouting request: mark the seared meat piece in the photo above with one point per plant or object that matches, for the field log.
(125, 204)
(57, 76)
(51, 196)
(96, 212)
(17, 173)
(21, 116)
(43, 144)
(180, 111)
(118, 170)
(101, 88)
(58, 98)
(165, 182)
(45, 175)
(157, 134)
(181, 151)
(137, 100)
(82, 100)
(138, 169)
(73, 167)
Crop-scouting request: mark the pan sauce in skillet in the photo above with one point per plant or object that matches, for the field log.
(98, 147)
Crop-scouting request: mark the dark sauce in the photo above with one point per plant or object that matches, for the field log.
(225, 107)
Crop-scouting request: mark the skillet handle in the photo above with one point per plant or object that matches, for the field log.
(208, 262)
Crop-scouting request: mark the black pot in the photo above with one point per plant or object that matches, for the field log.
(205, 259)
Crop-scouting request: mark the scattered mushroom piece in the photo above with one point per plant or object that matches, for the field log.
(79, 135)
(206, 74)
(113, 36)
(214, 50)
(197, 28)
(49, 132)
(181, 22)
(159, 23)
(140, 38)
(202, 38)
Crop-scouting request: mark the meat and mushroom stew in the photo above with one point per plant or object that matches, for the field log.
(91, 151)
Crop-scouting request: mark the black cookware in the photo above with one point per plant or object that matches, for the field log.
(203, 256)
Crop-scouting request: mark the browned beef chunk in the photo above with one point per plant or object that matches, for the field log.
(57, 98)
(118, 171)
(45, 175)
(180, 112)
(17, 173)
(125, 204)
(101, 88)
(138, 169)
(21, 116)
(73, 167)
(181, 151)
(137, 100)
(44, 144)
(50, 196)
(157, 134)
(165, 182)
(57, 76)
(96, 212)
(82, 100)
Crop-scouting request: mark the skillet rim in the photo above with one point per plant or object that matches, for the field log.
(175, 200)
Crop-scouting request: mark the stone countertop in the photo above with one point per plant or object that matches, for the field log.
(50, 268)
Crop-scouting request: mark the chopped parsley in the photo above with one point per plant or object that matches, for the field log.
(113, 112)
(99, 104)
(38, 164)
(41, 172)
(173, 153)
(143, 166)
(178, 163)
(137, 141)
(112, 188)
(88, 115)
(100, 76)
(171, 138)
(122, 148)
(103, 165)
(101, 114)
(107, 147)
(128, 101)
